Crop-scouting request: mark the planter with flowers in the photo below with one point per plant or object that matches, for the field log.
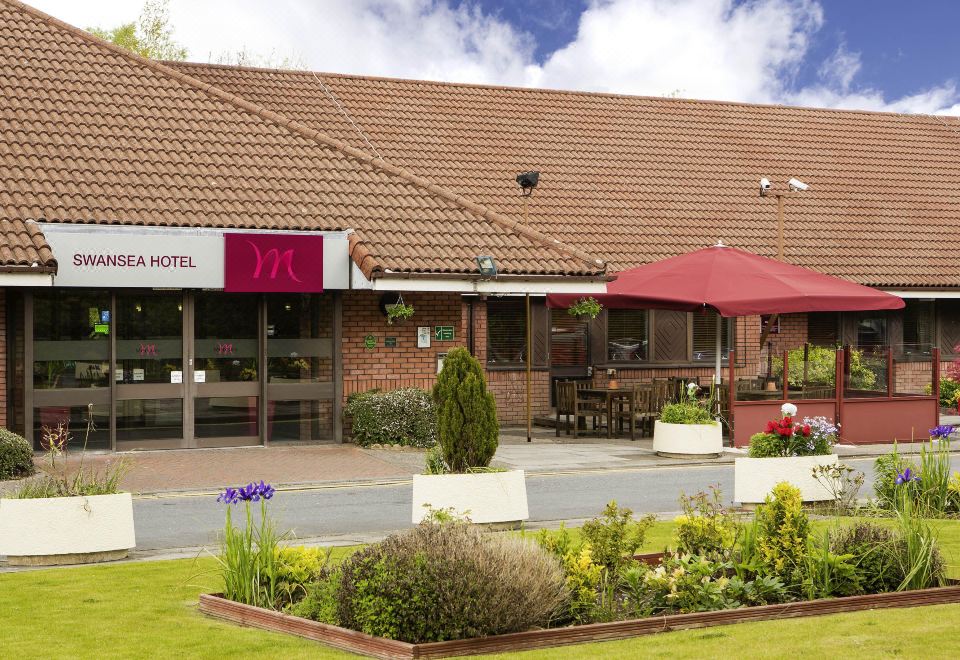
(459, 479)
(686, 429)
(67, 515)
(787, 450)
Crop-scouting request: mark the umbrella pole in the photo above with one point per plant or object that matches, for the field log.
(718, 373)
(529, 362)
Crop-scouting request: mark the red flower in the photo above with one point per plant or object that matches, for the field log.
(806, 429)
(786, 421)
(771, 427)
(785, 432)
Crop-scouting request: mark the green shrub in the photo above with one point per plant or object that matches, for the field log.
(917, 550)
(885, 471)
(685, 412)
(821, 368)
(405, 417)
(467, 427)
(296, 567)
(949, 391)
(615, 536)
(705, 528)
(872, 549)
(16, 456)
(320, 599)
(450, 581)
(249, 557)
(783, 535)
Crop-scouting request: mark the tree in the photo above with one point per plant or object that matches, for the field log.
(249, 58)
(151, 36)
(467, 425)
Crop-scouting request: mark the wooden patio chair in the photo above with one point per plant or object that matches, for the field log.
(645, 407)
(663, 392)
(570, 404)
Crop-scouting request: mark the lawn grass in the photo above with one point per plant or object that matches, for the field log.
(149, 609)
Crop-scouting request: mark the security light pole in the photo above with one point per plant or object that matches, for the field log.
(793, 186)
(527, 182)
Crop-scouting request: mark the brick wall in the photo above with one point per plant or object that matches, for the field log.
(405, 365)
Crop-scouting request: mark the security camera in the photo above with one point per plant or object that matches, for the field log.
(764, 186)
(797, 184)
(528, 181)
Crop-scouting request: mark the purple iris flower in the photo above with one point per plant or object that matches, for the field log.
(906, 477)
(941, 432)
(252, 492)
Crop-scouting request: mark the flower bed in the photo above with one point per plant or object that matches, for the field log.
(380, 647)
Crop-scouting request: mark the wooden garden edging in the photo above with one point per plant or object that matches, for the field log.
(378, 647)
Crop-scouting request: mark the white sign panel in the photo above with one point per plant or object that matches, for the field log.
(200, 376)
(423, 336)
(138, 374)
(176, 377)
(137, 260)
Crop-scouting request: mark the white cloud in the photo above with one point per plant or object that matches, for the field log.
(718, 49)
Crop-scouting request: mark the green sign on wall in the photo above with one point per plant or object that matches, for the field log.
(370, 342)
(443, 333)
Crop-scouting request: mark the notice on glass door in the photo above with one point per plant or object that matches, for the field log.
(138, 374)
(199, 376)
(176, 377)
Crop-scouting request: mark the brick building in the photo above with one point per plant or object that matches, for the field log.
(132, 192)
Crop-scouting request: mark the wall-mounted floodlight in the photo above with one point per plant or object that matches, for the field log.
(528, 181)
(487, 266)
(764, 186)
(797, 184)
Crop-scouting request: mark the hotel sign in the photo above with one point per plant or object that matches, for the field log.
(179, 258)
(135, 260)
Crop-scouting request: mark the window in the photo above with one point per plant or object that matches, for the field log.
(918, 327)
(71, 339)
(822, 329)
(871, 331)
(506, 332)
(627, 336)
(705, 337)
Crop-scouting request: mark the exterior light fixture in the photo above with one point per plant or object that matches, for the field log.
(487, 266)
(528, 181)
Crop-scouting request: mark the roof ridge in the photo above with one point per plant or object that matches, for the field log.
(566, 92)
(317, 136)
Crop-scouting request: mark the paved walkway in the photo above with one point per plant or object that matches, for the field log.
(192, 470)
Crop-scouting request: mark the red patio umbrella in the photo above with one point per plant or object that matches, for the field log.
(734, 283)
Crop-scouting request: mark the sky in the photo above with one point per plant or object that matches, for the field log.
(891, 55)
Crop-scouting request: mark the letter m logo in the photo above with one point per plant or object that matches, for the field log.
(275, 258)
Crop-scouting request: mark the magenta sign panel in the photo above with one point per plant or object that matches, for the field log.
(279, 263)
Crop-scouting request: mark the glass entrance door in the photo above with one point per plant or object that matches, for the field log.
(224, 369)
(149, 399)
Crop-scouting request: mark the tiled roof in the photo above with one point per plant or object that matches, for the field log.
(23, 247)
(634, 179)
(90, 133)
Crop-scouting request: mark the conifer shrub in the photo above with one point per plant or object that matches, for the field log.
(467, 427)
(16, 456)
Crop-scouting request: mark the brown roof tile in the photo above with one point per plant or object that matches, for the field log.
(634, 179)
(24, 248)
(90, 133)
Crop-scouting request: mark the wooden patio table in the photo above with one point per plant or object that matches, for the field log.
(610, 395)
(759, 395)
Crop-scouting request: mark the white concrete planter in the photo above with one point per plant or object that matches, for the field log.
(66, 530)
(754, 478)
(687, 440)
(488, 497)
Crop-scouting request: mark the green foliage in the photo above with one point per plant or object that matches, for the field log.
(686, 412)
(917, 551)
(615, 536)
(821, 368)
(399, 312)
(319, 603)
(16, 456)
(783, 535)
(151, 36)
(765, 445)
(842, 482)
(830, 575)
(450, 581)
(932, 495)
(467, 428)
(885, 471)
(872, 549)
(249, 559)
(588, 306)
(406, 417)
(434, 461)
(705, 528)
(583, 577)
(949, 391)
(296, 567)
